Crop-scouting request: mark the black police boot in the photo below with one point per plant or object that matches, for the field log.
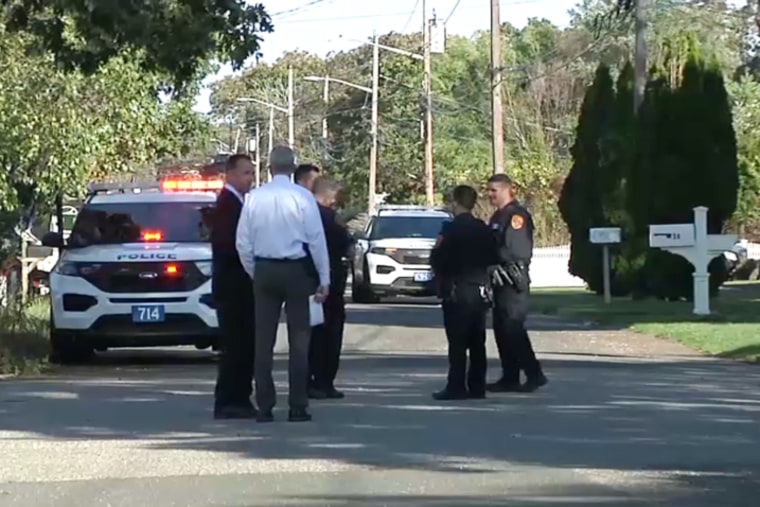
(265, 416)
(235, 412)
(334, 394)
(448, 394)
(504, 386)
(534, 383)
(299, 415)
(317, 394)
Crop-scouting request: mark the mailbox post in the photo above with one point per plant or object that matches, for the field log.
(692, 242)
(605, 236)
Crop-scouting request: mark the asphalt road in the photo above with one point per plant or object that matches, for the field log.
(626, 420)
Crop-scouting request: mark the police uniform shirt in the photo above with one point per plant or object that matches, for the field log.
(513, 227)
(465, 248)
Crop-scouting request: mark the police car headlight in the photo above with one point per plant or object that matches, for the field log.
(69, 268)
(379, 250)
(204, 267)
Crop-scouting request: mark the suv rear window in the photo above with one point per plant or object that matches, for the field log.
(113, 223)
(407, 227)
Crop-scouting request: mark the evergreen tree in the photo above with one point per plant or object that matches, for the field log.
(692, 156)
(584, 192)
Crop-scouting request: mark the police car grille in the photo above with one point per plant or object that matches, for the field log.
(412, 256)
(136, 277)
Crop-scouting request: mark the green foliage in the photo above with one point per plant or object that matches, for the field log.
(585, 199)
(176, 36)
(24, 334)
(678, 153)
(60, 129)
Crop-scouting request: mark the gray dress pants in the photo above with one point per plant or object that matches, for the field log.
(277, 282)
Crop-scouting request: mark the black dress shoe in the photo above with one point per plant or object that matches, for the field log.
(446, 395)
(476, 395)
(317, 394)
(265, 416)
(299, 415)
(533, 384)
(235, 412)
(504, 387)
(334, 394)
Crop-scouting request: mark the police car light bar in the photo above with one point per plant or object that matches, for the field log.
(94, 188)
(191, 185)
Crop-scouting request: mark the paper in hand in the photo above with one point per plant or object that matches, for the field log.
(316, 312)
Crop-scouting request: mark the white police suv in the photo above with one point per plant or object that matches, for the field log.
(392, 254)
(135, 270)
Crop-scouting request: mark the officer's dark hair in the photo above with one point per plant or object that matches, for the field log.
(465, 196)
(232, 161)
(500, 178)
(303, 170)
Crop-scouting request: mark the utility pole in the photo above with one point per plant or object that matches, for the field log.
(428, 130)
(497, 122)
(270, 145)
(373, 149)
(326, 100)
(291, 126)
(258, 155)
(640, 56)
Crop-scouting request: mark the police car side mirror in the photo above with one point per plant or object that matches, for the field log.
(53, 239)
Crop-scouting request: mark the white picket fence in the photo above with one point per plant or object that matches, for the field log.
(548, 268)
(549, 265)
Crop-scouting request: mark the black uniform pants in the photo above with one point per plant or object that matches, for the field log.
(327, 342)
(235, 313)
(464, 318)
(512, 340)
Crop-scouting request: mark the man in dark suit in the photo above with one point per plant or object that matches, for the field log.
(233, 296)
(327, 338)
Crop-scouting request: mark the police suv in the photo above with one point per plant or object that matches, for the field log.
(135, 270)
(392, 254)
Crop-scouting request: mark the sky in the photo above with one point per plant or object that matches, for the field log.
(324, 26)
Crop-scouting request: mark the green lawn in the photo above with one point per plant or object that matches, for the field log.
(732, 331)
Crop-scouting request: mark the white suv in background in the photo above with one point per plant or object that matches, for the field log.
(393, 253)
(135, 270)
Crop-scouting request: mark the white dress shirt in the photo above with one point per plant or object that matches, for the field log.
(277, 220)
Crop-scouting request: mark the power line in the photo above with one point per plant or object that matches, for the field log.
(453, 10)
(396, 14)
(307, 5)
(411, 16)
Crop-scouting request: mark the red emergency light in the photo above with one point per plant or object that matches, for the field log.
(152, 236)
(191, 185)
(171, 269)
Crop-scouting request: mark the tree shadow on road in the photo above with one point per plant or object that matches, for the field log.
(618, 414)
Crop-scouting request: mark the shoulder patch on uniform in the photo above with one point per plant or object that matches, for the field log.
(494, 226)
(517, 222)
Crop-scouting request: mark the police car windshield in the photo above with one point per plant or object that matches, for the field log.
(407, 227)
(114, 223)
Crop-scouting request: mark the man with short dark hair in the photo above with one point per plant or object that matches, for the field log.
(281, 241)
(460, 260)
(327, 338)
(513, 227)
(233, 295)
(305, 175)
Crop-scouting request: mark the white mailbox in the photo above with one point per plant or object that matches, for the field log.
(604, 235)
(692, 242)
(671, 235)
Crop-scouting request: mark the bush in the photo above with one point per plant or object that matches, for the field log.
(24, 332)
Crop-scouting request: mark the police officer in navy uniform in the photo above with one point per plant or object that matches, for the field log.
(460, 262)
(513, 228)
